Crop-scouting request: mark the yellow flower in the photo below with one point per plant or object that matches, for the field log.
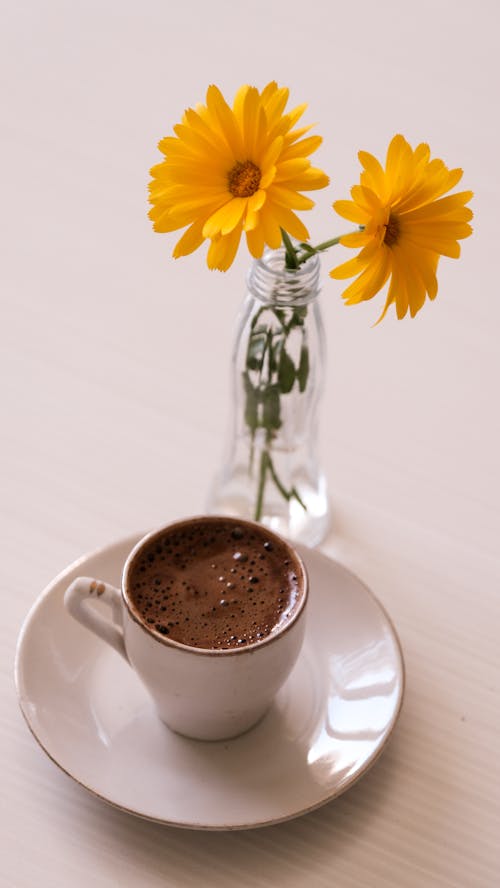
(406, 224)
(229, 170)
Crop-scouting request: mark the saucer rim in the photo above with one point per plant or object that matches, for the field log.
(371, 761)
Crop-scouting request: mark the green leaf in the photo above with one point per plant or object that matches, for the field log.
(286, 372)
(297, 319)
(290, 252)
(280, 315)
(255, 352)
(271, 418)
(303, 371)
(251, 403)
(273, 351)
(257, 315)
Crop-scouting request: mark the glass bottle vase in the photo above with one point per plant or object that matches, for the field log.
(271, 472)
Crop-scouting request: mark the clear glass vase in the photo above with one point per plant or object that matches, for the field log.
(271, 472)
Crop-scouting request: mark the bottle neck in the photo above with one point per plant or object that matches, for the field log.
(271, 282)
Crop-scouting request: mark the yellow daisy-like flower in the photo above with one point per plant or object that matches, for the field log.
(406, 225)
(233, 170)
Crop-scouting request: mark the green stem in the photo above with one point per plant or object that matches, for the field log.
(287, 494)
(329, 243)
(292, 258)
(262, 483)
(319, 249)
(291, 254)
(252, 452)
(265, 464)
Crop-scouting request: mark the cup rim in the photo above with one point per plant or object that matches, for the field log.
(211, 652)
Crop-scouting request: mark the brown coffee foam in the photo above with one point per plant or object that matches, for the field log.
(215, 585)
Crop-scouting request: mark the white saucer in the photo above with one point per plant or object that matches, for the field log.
(330, 722)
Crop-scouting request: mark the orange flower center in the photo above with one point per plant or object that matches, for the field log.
(392, 231)
(244, 179)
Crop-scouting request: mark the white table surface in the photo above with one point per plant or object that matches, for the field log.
(115, 389)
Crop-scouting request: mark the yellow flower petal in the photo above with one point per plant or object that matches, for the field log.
(225, 218)
(287, 220)
(271, 154)
(270, 228)
(374, 174)
(239, 102)
(438, 180)
(443, 245)
(284, 125)
(254, 205)
(415, 284)
(288, 198)
(397, 293)
(356, 239)
(220, 110)
(451, 206)
(257, 201)
(222, 250)
(303, 148)
(195, 122)
(366, 198)
(422, 153)
(290, 169)
(190, 240)
(293, 135)
(371, 279)
(275, 106)
(268, 178)
(268, 91)
(256, 242)
(311, 179)
(356, 265)
(196, 143)
(203, 203)
(350, 210)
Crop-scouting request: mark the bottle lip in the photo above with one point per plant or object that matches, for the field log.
(270, 281)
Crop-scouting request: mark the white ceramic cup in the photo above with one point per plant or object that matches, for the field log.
(208, 694)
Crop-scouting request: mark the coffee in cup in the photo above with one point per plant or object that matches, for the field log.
(214, 585)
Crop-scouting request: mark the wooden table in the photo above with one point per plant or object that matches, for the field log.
(115, 391)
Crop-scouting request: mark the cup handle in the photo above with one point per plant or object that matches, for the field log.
(75, 601)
